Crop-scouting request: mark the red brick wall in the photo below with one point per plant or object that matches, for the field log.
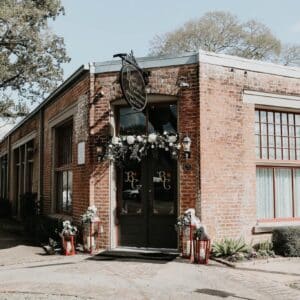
(227, 147)
(163, 81)
(29, 126)
(80, 191)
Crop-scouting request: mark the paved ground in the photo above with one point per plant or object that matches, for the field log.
(27, 274)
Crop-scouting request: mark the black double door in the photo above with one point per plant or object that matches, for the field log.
(147, 202)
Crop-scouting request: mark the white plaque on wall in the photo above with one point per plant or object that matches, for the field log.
(81, 153)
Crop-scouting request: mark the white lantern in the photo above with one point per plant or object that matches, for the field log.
(130, 139)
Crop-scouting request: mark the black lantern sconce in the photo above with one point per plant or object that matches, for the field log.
(100, 150)
(186, 144)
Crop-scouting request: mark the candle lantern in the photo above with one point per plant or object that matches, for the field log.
(91, 234)
(187, 241)
(67, 235)
(68, 245)
(201, 247)
(91, 229)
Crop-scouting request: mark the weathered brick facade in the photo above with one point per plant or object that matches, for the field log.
(228, 162)
(221, 183)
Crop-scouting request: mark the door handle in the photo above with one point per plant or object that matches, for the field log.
(150, 191)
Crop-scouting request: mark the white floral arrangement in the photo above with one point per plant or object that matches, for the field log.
(135, 147)
(68, 229)
(90, 215)
(183, 220)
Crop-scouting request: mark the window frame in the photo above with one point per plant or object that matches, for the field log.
(275, 136)
(4, 177)
(60, 168)
(276, 219)
(157, 104)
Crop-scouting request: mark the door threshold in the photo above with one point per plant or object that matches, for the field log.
(146, 250)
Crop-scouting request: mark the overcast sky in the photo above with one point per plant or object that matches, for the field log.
(94, 30)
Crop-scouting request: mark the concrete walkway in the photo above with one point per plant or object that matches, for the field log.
(27, 274)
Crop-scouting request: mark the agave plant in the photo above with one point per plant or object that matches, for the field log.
(228, 247)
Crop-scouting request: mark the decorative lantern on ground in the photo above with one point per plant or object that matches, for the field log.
(185, 230)
(201, 246)
(91, 229)
(68, 235)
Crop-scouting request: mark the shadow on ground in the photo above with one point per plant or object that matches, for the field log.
(12, 234)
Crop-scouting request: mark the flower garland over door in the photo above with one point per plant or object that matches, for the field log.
(136, 147)
(139, 133)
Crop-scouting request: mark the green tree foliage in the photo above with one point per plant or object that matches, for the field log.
(223, 32)
(30, 54)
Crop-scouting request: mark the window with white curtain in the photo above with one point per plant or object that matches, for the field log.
(277, 192)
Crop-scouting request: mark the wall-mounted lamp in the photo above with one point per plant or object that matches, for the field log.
(183, 82)
(100, 150)
(186, 144)
(99, 94)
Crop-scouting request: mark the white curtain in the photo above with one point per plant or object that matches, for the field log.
(297, 192)
(283, 192)
(264, 193)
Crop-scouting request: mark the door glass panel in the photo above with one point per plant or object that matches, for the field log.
(131, 121)
(131, 199)
(162, 118)
(164, 185)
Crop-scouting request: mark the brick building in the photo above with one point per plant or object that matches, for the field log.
(242, 174)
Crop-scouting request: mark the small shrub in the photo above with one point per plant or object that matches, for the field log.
(229, 247)
(264, 245)
(286, 241)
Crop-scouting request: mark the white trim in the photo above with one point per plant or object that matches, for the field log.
(24, 140)
(275, 100)
(148, 62)
(65, 115)
(268, 227)
(68, 112)
(248, 64)
(278, 163)
(3, 153)
(151, 98)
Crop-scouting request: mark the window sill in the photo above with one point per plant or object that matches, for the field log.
(268, 227)
(278, 162)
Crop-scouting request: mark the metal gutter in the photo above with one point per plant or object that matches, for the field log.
(64, 85)
(241, 63)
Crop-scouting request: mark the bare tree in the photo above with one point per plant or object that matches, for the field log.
(290, 55)
(220, 32)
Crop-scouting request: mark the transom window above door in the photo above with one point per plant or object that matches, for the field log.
(155, 118)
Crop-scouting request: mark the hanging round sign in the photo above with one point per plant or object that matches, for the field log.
(133, 86)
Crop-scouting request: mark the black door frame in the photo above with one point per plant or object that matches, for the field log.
(116, 118)
(146, 221)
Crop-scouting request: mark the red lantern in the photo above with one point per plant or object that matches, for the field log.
(68, 245)
(201, 250)
(91, 233)
(186, 237)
